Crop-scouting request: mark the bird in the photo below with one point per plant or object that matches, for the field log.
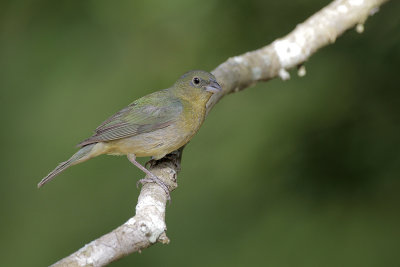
(153, 125)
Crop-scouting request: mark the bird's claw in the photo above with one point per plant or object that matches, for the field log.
(143, 181)
(155, 179)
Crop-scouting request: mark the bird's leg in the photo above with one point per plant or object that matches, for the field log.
(152, 178)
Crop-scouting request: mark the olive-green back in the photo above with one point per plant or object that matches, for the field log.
(149, 113)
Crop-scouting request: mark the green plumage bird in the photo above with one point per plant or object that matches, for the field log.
(153, 125)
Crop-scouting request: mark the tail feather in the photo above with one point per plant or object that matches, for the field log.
(82, 155)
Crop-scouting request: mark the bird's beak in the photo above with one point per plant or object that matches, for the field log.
(213, 87)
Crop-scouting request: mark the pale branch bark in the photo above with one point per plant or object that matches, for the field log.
(237, 73)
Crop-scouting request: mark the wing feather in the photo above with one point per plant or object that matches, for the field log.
(149, 113)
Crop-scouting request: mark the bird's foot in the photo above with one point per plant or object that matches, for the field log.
(151, 178)
(155, 179)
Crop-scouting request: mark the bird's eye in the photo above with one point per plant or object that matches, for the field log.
(196, 80)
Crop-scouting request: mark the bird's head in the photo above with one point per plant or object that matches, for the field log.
(198, 82)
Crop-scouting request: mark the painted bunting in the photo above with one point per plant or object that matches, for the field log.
(154, 125)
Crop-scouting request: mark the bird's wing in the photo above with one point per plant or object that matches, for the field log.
(149, 113)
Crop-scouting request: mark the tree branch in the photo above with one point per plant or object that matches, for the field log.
(237, 73)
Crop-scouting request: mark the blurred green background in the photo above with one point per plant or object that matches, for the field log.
(297, 173)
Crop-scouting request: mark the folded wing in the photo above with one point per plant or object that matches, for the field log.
(149, 113)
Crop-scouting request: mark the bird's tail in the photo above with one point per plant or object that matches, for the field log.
(82, 155)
